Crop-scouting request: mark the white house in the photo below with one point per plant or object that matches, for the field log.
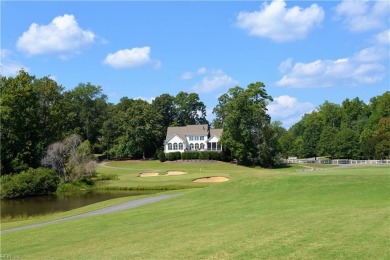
(192, 138)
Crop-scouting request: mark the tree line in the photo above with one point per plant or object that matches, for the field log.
(352, 130)
(38, 112)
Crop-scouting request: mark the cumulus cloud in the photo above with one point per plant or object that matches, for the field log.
(364, 67)
(147, 99)
(209, 80)
(361, 16)
(9, 67)
(62, 36)
(131, 58)
(288, 109)
(279, 23)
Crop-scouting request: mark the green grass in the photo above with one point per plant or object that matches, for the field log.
(337, 213)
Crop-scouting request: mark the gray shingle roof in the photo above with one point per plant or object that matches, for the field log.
(183, 131)
(216, 132)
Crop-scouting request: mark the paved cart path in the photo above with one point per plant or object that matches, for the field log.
(107, 210)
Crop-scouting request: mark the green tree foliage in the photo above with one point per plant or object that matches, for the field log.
(242, 114)
(189, 110)
(311, 135)
(32, 182)
(327, 145)
(354, 130)
(165, 106)
(36, 112)
(85, 108)
(135, 130)
(31, 119)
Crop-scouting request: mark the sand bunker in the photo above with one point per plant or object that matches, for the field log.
(176, 173)
(154, 174)
(212, 179)
(148, 174)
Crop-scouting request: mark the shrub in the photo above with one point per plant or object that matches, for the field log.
(215, 156)
(161, 156)
(173, 156)
(195, 155)
(185, 156)
(33, 182)
(170, 156)
(107, 177)
(204, 155)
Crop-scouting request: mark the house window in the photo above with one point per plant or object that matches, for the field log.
(180, 146)
(175, 146)
(192, 146)
(196, 138)
(202, 138)
(196, 146)
(169, 146)
(191, 138)
(202, 146)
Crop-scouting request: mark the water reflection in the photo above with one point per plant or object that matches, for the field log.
(61, 202)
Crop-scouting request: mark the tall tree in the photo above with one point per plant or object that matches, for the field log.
(189, 110)
(165, 106)
(138, 131)
(30, 119)
(327, 145)
(86, 111)
(243, 115)
(311, 135)
(347, 144)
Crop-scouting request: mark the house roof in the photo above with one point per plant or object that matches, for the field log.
(217, 132)
(183, 131)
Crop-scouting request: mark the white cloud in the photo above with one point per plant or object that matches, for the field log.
(364, 67)
(147, 99)
(9, 67)
(53, 78)
(62, 36)
(201, 71)
(279, 23)
(372, 54)
(383, 38)
(288, 109)
(187, 75)
(361, 16)
(190, 75)
(131, 58)
(213, 80)
(285, 65)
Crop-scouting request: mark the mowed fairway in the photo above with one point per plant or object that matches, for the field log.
(337, 213)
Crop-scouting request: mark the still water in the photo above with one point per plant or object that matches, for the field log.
(61, 202)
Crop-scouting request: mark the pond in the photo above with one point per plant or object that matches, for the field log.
(60, 202)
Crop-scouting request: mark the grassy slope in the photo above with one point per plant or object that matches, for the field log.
(340, 213)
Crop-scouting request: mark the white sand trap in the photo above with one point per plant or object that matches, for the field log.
(212, 179)
(148, 174)
(176, 173)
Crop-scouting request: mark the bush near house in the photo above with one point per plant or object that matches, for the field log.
(173, 156)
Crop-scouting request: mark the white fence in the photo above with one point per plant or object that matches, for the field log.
(338, 161)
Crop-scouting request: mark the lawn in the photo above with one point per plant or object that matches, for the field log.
(336, 213)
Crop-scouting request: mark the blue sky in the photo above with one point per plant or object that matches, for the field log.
(305, 52)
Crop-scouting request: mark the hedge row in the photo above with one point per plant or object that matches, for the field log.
(204, 155)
